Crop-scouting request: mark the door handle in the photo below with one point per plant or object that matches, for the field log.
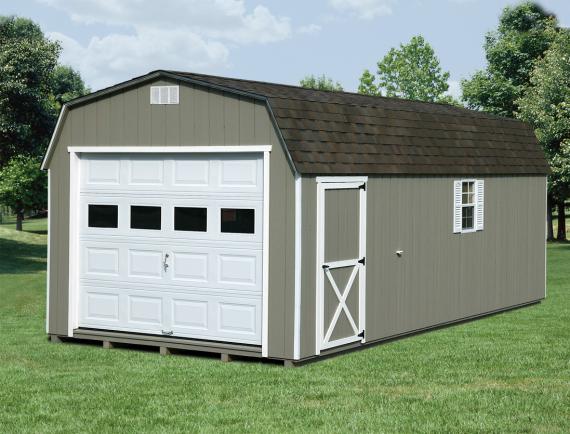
(164, 263)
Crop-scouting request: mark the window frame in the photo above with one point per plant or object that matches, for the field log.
(468, 205)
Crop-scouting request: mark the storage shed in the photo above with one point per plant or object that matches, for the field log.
(256, 219)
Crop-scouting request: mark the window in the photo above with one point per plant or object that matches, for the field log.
(190, 219)
(145, 217)
(238, 221)
(467, 205)
(164, 95)
(468, 197)
(103, 216)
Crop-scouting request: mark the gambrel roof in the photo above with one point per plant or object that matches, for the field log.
(346, 133)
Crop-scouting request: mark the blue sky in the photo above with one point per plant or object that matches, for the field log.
(109, 41)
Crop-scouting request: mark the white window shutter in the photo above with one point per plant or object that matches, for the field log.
(480, 215)
(173, 94)
(155, 95)
(457, 206)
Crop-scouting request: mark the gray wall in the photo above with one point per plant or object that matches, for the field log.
(442, 276)
(203, 117)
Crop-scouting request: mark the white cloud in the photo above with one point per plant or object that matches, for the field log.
(363, 9)
(309, 29)
(167, 34)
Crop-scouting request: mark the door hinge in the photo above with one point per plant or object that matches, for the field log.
(325, 266)
(362, 261)
(361, 334)
(363, 186)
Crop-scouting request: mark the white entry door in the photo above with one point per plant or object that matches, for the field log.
(341, 263)
(172, 244)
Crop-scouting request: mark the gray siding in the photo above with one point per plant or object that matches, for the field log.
(442, 276)
(203, 117)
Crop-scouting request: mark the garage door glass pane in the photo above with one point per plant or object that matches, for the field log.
(239, 221)
(145, 217)
(190, 219)
(103, 216)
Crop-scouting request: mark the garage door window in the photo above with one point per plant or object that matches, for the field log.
(103, 216)
(145, 217)
(190, 219)
(238, 221)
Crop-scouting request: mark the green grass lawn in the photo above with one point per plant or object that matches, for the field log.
(506, 373)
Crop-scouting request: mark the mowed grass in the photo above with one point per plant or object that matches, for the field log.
(506, 373)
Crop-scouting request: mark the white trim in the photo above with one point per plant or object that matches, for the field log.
(169, 149)
(48, 247)
(337, 183)
(459, 229)
(51, 146)
(265, 289)
(545, 230)
(73, 286)
(342, 179)
(298, 262)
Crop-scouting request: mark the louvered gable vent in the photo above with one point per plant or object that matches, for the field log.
(164, 95)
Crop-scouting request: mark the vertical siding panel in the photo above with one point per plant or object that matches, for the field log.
(201, 121)
(131, 118)
(157, 125)
(76, 119)
(172, 120)
(117, 120)
(103, 122)
(187, 130)
(231, 116)
(246, 122)
(90, 124)
(262, 124)
(216, 118)
(144, 116)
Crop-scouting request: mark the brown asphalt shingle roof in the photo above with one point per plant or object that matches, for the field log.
(347, 133)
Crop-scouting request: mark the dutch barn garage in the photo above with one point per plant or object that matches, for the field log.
(245, 218)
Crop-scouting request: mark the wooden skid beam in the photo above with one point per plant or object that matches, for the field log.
(165, 351)
(108, 345)
(224, 357)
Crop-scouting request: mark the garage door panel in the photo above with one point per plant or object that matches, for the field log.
(209, 223)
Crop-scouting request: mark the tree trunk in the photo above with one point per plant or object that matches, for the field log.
(561, 235)
(19, 219)
(549, 228)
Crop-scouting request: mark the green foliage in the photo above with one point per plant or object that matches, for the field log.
(321, 82)
(411, 71)
(67, 85)
(32, 88)
(27, 114)
(523, 35)
(546, 106)
(23, 186)
(367, 85)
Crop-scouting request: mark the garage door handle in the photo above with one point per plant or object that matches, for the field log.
(167, 332)
(164, 263)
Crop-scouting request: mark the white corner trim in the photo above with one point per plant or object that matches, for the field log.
(298, 265)
(51, 146)
(48, 248)
(319, 306)
(545, 231)
(265, 285)
(168, 149)
(74, 209)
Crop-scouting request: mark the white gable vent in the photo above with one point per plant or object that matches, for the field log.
(164, 95)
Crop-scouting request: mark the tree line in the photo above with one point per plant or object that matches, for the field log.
(527, 76)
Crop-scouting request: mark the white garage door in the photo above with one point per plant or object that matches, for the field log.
(172, 244)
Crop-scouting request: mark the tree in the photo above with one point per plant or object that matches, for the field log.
(546, 106)
(411, 71)
(320, 83)
(23, 186)
(521, 38)
(27, 113)
(66, 85)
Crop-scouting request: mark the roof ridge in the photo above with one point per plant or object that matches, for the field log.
(356, 94)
